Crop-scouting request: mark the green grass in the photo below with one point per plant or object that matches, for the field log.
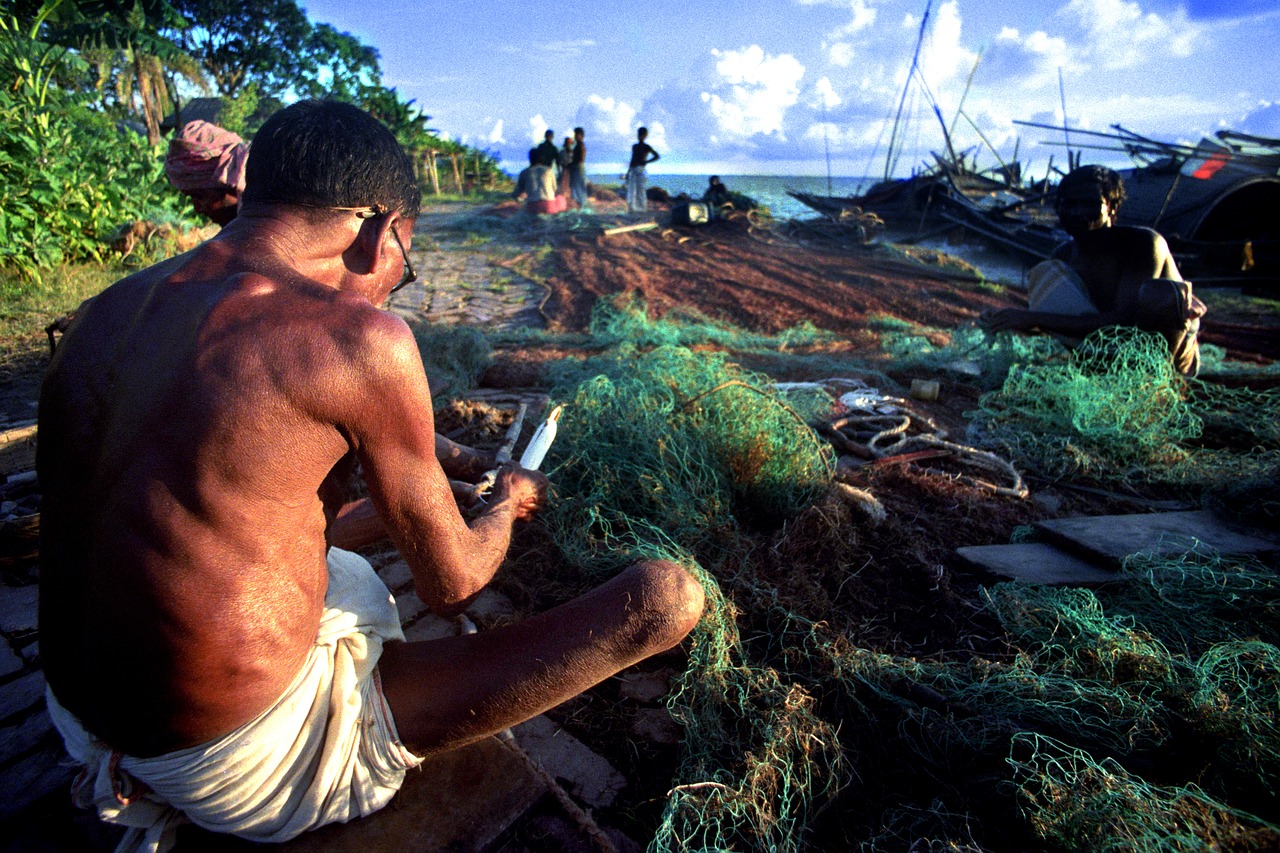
(26, 307)
(1230, 300)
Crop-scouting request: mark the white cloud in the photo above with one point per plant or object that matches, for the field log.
(827, 96)
(1262, 120)
(537, 128)
(567, 48)
(946, 57)
(603, 116)
(1118, 34)
(861, 17)
(657, 136)
(754, 91)
(1028, 62)
(841, 53)
(495, 136)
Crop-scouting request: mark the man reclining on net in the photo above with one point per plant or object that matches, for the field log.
(1107, 275)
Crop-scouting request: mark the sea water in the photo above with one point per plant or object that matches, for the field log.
(771, 192)
(768, 190)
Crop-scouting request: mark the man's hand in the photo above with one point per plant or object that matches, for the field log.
(527, 490)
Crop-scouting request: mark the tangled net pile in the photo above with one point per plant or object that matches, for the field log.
(1046, 738)
(1117, 410)
(677, 455)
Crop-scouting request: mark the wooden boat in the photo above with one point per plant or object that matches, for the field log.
(1216, 202)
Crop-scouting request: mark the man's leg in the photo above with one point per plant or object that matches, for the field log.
(1169, 308)
(448, 693)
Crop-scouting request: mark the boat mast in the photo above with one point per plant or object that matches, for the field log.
(890, 154)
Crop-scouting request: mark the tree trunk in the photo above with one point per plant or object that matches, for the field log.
(457, 172)
(433, 173)
(145, 94)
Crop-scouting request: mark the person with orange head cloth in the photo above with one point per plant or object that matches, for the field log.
(206, 163)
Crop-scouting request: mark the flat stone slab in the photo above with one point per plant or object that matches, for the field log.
(1035, 562)
(460, 801)
(586, 775)
(1111, 538)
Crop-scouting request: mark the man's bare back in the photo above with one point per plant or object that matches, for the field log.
(197, 428)
(189, 441)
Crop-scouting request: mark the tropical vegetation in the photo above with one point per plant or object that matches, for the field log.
(85, 86)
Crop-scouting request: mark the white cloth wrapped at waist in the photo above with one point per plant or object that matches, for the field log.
(327, 751)
(1056, 288)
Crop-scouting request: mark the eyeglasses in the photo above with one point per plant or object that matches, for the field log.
(410, 274)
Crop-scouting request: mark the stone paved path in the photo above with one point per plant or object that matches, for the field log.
(459, 283)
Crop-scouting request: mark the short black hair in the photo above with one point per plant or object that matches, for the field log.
(1107, 181)
(550, 133)
(329, 154)
(579, 130)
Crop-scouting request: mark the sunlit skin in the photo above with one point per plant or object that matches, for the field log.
(218, 205)
(197, 429)
(1114, 262)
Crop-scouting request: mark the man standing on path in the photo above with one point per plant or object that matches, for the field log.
(641, 156)
(1107, 275)
(209, 657)
(578, 168)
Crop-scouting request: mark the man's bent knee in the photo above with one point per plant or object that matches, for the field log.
(670, 603)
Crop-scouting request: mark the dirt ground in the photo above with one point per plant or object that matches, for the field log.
(765, 280)
(902, 598)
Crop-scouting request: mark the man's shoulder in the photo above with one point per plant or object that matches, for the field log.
(1136, 235)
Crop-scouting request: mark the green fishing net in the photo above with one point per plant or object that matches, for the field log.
(1117, 410)
(984, 357)
(1077, 802)
(1045, 738)
(669, 453)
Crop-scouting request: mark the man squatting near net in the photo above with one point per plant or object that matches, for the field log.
(206, 163)
(1107, 275)
(210, 658)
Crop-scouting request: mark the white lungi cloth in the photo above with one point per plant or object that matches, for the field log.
(327, 751)
(636, 184)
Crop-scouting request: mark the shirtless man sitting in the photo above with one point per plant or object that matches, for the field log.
(209, 657)
(1107, 275)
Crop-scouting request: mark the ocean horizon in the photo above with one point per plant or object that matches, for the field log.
(768, 190)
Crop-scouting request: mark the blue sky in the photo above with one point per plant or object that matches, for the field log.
(766, 86)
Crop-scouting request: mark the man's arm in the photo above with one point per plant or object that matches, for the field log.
(461, 462)
(653, 156)
(1022, 320)
(388, 421)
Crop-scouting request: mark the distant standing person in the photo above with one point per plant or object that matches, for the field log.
(565, 161)
(548, 153)
(578, 168)
(641, 156)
